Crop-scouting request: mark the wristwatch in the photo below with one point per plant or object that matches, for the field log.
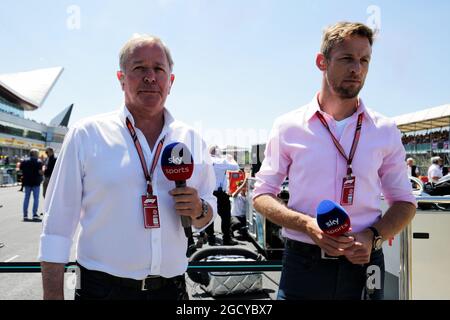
(377, 239)
(204, 209)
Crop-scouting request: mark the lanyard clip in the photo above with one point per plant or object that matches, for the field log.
(349, 171)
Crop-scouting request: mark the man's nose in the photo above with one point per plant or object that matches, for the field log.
(150, 77)
(356, 67)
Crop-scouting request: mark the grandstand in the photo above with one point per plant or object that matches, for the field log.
(425, 134)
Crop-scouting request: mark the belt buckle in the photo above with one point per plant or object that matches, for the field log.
(144, 285)
(324, 256)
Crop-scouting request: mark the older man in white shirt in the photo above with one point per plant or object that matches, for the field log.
(435, 170)
(108, 178)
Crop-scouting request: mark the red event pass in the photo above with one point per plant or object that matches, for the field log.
(151, 213)
(348, 191)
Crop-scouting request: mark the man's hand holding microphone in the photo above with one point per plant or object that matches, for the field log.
(331, 231)
(177, 165)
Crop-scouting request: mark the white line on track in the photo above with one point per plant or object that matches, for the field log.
(11, 259)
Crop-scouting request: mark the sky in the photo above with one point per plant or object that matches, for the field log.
(239, 64)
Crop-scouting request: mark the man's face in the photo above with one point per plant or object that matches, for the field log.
(147, 78)
(347, 67)
(409, 162)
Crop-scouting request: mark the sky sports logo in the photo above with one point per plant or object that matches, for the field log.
(176, 170)
(332, 222)
(175, 160)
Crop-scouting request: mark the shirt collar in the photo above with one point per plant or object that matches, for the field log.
(313, 107)
(125, 113)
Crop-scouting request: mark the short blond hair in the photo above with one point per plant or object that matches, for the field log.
(337, 33)
(138, 40)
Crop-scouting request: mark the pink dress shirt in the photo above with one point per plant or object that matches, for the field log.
(301, 149)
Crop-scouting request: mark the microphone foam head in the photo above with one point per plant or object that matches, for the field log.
(176, 162)
(332, 218)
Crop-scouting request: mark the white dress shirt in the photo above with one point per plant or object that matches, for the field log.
(434, 171)
(221, 166)
(98, 182)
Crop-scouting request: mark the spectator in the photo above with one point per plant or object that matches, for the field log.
(435, 171)
(31, 180)
(49, 165)
(239, 210)
(221, 166)
(413, 171)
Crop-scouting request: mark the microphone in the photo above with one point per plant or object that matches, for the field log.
(178, 165)
(332, 218)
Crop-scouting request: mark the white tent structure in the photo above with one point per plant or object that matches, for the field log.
(29, 89)
(427, 119)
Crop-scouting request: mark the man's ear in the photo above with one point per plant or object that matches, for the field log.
(321, 62)
(172, 79)
(120, 77)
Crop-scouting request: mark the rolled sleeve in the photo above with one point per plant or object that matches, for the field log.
(62, 205)
(274, 168)
(395, 183)
(54, 249)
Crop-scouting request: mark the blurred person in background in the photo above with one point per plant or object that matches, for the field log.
(31, 180)
(49, 165)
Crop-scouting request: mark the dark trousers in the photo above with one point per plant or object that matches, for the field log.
(224, 211)
(239, 223)
(307, 276)
(96, 285)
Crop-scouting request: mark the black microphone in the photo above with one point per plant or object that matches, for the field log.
(178, 165)
(332, 218)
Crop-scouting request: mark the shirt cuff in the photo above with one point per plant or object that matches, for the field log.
(55, 249)
(408, 198)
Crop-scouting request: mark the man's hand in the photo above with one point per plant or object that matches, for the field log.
(333, 246)
(187, 202)
(360, 252)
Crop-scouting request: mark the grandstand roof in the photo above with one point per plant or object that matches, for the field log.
(62, 119)
(28, 90)
(427, 119)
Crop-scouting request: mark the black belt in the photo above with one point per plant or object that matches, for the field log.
(150, 283)
(312, 250)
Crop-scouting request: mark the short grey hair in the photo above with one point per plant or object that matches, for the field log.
(435, 160)
(138, 40)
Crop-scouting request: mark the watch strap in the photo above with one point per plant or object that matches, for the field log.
(375, 232)
(204, 209)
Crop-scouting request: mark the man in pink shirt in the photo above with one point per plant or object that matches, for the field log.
(316, 265)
